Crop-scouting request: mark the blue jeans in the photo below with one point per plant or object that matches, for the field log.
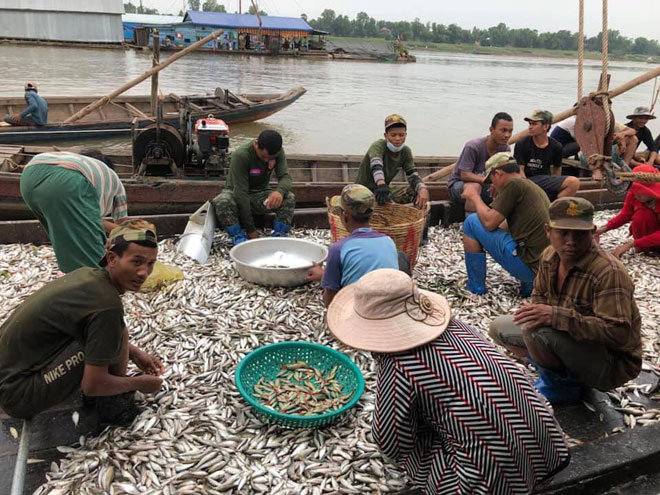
(500, 245)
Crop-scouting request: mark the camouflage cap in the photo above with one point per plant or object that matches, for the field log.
(355, 199)
(395, 119)
(540, 116)
(498, 160)
(571, 214)
(131, 231)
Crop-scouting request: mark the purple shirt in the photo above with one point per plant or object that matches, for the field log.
(473, 159)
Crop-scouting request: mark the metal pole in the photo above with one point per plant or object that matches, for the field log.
(154, 77)
(18, 481)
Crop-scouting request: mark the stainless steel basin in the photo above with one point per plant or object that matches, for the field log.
(277, 261)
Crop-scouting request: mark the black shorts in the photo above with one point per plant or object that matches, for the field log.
(33, 393)
(551, 184)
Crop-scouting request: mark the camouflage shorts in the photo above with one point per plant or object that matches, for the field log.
(226, 209)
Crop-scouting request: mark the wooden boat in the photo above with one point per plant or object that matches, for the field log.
(116, 117)
(315, 178)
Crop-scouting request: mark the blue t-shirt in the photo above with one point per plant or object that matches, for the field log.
(363, 251)
(37, 108)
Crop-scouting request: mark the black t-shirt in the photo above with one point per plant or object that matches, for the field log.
(644, 136)
(537, 161)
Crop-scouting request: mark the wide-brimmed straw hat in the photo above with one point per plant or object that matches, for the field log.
(385, 312)
(641, 112)
(647, 188)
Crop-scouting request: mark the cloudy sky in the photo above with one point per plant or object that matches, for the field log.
(632, 18)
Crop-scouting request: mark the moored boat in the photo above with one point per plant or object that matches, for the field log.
(315, 178)
(117, 117)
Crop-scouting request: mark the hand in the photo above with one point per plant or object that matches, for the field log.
(17, 116)
(623, 248)
(315, 273)
(599, 231)
(147, 384)
(492, 192)
(146, 362)
(253, 235)
(469, 193)
(422, 198)
(274, 200)
(383, 194)
(532, 316)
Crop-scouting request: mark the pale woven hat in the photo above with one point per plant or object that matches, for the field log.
(384, 311)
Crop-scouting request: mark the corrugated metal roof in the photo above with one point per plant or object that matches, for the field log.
(247, 21)
(151, 19)
(96, 6)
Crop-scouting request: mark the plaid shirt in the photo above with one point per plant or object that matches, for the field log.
(595, 303)
(112, 196)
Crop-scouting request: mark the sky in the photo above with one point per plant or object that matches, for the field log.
(630, 18)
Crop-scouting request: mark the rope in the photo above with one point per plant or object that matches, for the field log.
(604, 66)
(580, 51)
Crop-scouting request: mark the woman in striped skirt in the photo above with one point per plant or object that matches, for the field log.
(457, 414)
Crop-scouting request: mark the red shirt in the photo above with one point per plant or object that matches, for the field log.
(630, 206)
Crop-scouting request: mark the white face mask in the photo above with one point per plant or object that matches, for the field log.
(393, 148)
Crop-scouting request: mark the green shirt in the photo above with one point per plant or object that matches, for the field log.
(525, 207)
(82, 306)
(392, 163)
(248, 173)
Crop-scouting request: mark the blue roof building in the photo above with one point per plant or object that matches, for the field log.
(247, 23)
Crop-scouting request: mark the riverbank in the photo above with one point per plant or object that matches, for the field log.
(512, 51)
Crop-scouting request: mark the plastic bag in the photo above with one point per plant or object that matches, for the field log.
(162, 275)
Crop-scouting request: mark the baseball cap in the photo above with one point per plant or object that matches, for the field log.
(131, 231)
(355, 199)
(540, 116)
(395, 119)
(572, 214)
(498, 160)
(30, 85)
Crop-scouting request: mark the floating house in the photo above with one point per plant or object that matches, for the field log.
(240, 32)
(132, 21)
(79, 21)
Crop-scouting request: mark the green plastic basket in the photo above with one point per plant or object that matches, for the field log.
(267, 361)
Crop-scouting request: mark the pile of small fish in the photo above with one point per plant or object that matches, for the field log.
(197, 435)
(301, 389)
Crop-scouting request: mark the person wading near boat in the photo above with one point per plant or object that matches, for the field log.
(582, 327)
(383, 161)
(363, 251)
(70, 194)
(36, 113)
(71, 335)
(510, 230)
(540, 158)
(248, 191)
(638, 120)
(470, 169)
(455, 413)
(642, 209)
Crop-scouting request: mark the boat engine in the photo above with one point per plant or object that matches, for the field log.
(209, 148)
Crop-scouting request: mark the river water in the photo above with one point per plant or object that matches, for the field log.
(446, 98)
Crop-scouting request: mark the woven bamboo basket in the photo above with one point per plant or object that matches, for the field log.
(404, 224)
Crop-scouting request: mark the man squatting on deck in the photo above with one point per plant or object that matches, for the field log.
(470, 167)
(383, 161)
(248, 190)
(70, 194)
(362, 251)
(35, 114)
(71, 335)
(582, 327)
(511, 230)
(455, 413)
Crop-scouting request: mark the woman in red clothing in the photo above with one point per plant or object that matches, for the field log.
(642, 209)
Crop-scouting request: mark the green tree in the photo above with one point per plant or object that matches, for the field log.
(213, 6)
(326, 19)
(129, 8)
(342, 26)
(499, 35)
(253, 11)
(194, 4)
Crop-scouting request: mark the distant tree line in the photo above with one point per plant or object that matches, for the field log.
(501, 35)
